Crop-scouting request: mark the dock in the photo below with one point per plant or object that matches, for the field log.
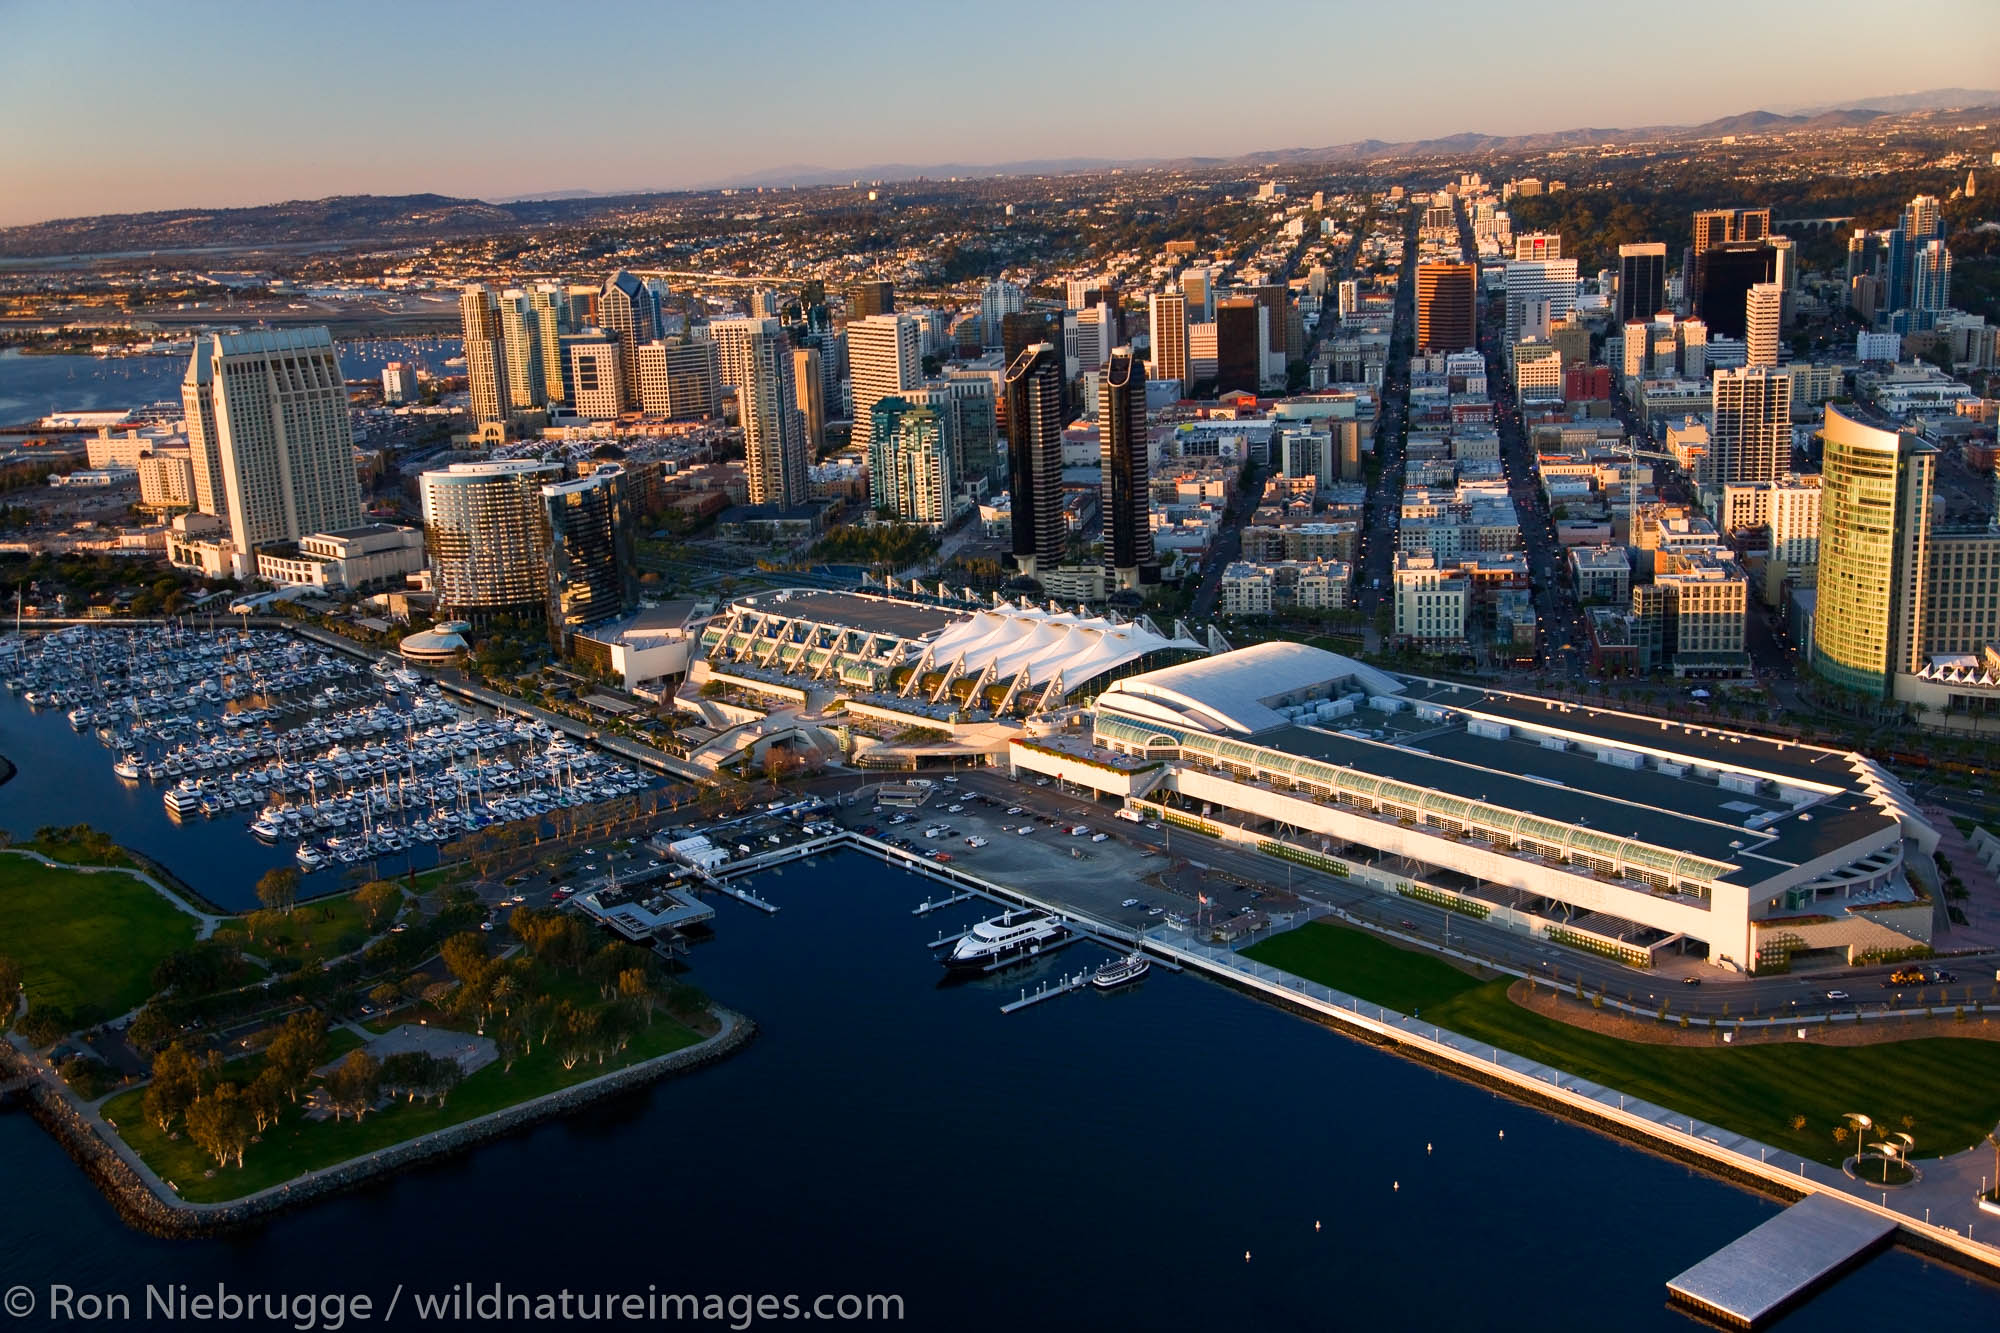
(926, 907)
(1765, 1271)
(1047, 991)
(740, 895)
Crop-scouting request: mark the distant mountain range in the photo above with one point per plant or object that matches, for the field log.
(420, 217)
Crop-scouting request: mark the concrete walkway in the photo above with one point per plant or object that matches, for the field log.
(1942, 1206)
(1982, 905)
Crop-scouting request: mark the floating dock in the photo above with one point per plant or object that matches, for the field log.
(1759, 1275)
(926, 907)
(1047, 991)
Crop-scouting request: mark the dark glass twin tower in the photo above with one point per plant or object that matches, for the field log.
(1035, 421)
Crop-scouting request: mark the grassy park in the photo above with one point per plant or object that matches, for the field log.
(86, 942)
(1949, 1087)
(296, 1144)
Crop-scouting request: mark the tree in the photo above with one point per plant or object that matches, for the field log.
(378, 898)
(149, 1031)
(278, 890)
(266, 1098)
(297, 1048)
(176, 1083)
(464, 956)
(10, 990)
(219, 1122)
(635, 987)
(354, 1084)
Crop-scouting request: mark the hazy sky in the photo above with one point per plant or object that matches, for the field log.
(116, 107)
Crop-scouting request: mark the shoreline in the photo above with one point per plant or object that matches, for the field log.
(143, 1203)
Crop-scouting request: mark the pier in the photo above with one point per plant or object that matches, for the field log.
(1772, 1267)
(926, 907)
(1046, 991)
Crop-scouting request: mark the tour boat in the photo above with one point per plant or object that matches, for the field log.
(1005, 938)
(1121, 971)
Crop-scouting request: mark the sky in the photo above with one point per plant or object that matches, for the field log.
(114, 106)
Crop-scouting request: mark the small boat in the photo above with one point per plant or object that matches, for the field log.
(1121, 971)
(309, 857)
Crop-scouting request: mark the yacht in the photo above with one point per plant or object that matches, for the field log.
(183, 799)
(1121, 971)
(309, 858)
(129, 767)
(1005, 938)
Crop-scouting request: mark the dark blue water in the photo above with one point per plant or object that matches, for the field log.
(1097, 1162)
(34, 386)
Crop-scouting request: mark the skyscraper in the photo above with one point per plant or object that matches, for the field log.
(1763, 316)
(811, 390)
(485, 352)
(1642, 281)
(1723, 277)
(1034, 457)
(774, 445)
(1550, 281)
(1751, 439)
(1716, 226)
(592, 572)
(1538, 245)
(1022, 329)
(1000, 299)
(1447, 296)
(486, 533)
(1167, 315)
(1242, 341)
(551, 306)
(870, 298)
(681, 380)
(596, 375)
(885, 353)
(521, 343)
(910, 462)
(268, 431)
(1874, 549)
(1930, 284)
(1124, 496)
(626, 310)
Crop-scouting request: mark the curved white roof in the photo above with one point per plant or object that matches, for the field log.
(1225, 694)
(1042, 643)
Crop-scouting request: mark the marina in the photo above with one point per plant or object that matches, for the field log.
(339, 763)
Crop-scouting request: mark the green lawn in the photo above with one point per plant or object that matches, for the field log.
(1950, 1087)
(73, 851)
(297, 1145)
(86, 941)
(318, 928)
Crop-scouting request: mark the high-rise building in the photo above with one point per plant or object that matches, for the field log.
(486, 534)
(1198, 286)
(592, 573)
(1642, 280)
(1000, 299)
(733, 353)
(811, 389)
(627, 311)
(1545, 283)
(1930, 285)
(1538, 245)
(885, 354)
(269, 436)
(1874, 552)
(967, 406)
(1349, 293)
(595, 382)
(1763, 317)
(1242, 342)
(1718, 226)
(774, 444)
(1723, 276)
(1447, 297)
(1167, 314)
(521, 344)
(870, 298)
(1022, 329)
(1750, 439)
(485, 352)
(1124, 496)
(1034, 457)
(680, 380)
(550, 304)
(910, 462)
(399, 383)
